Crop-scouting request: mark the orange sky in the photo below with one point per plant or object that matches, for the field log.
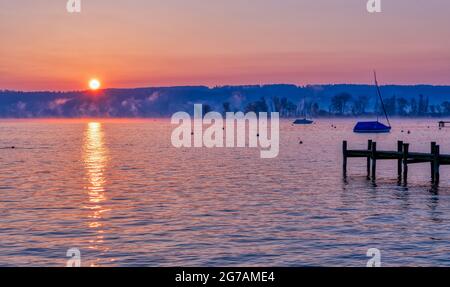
(196, 42)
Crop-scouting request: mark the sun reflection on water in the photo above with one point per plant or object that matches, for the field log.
(95, 162)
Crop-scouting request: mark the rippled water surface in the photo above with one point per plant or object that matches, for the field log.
(119, 192)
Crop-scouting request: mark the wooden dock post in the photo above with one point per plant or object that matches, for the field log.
(374, 160)
(405, 162)
(433, 147)
(436, 164)
(344, 163)
(369, 148)
(399, 161)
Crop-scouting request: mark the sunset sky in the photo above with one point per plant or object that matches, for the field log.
(139, 43)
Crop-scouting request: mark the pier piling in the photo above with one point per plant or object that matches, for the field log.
(369, 148)
(344, 164)
(433, 147)
(436, 164)
(399, 160)
(405, 162)
(374, 160)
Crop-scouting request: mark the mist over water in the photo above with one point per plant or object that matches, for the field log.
(122, 194)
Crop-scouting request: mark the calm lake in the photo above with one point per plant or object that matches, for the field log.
(119, 192)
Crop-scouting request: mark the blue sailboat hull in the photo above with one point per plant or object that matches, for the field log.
(371, 127)
(303, 122)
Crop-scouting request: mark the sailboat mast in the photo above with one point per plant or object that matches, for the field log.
(381, 98)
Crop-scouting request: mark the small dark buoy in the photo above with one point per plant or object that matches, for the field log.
(409, 132)
(301, 142)
(402, 131)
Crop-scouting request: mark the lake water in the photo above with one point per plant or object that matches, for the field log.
(119, 192)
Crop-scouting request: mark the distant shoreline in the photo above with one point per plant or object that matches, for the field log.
(305, 86)
(167, 118)
(291, 101)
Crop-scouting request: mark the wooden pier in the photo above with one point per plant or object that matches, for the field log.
(442, 124)
(402, 155)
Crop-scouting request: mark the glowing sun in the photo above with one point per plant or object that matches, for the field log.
(94, 84)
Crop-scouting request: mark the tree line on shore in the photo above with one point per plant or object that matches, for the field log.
(344, 104)
(290, 101)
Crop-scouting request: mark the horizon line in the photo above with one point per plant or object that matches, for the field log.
(220, 86)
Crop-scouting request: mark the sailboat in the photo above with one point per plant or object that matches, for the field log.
(304, 120)
(374, 126)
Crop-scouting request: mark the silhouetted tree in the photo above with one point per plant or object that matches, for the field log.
(284, 103)
(257, 107)
(423, 105)
(291, 109)
(434, 110)
(276, 104)
(360, 105)
(402, 104)
(226, 107)
(206, 109)
(315, 109)
(339, 103)
(390, 105)
(446, 107)
(414, 107)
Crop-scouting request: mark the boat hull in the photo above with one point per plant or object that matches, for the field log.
(303, 122)
(372, 132)
(371, 128)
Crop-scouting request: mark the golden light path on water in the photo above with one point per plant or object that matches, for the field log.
(95, 159)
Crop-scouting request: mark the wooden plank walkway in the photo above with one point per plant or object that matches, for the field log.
(402, 155)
